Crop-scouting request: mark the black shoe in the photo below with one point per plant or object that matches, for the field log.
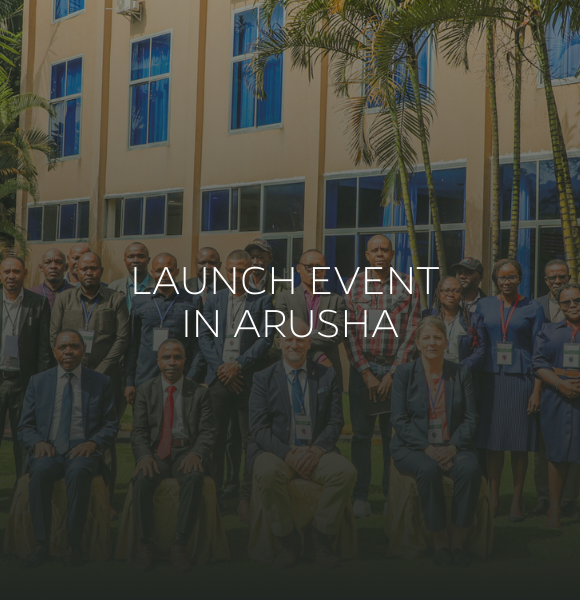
(73, 557)
(461, 558)
(230, 493)
(570, 511)
(40, 554)
(443, 556)
(542, 509)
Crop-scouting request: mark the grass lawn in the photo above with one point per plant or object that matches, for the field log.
(529, 561)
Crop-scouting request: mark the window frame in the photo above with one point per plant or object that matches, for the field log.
(58, 204)
(555, 80)
(149, 80)
(69, 16)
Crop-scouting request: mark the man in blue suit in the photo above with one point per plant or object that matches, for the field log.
(295, 420)
(233, 356)
(68, 420)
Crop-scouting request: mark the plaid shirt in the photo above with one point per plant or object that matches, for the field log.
(403, 309)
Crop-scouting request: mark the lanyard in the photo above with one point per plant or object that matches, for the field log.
(235, 316)
(301, 400)
(164, 315)
(89, 315)
(433, 400)
(505, 324)
(44, 289)
(450, 333)
(13, 322)
(574, 332)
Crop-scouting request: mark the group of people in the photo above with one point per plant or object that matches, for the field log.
(460, 384)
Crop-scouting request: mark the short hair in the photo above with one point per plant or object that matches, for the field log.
(137, 244)
(20, 260)
(502, 263)
(557, 262)
(568, 286)
(73, 331)
(60, 252)
(172, 341)
(309, 251)
(84, 254)
(431, 321)
(380, 235)
(240, 255)
(165, 255)
(209, 249)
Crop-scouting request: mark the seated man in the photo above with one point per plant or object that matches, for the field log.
(68, 420)
(173, 436)
(295, 422)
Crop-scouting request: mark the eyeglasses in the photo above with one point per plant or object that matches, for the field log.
(568, 303)
(310, 267)
(557, 278)
(507, 279)
(449, 291)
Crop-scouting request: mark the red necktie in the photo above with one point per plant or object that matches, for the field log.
(164, 448)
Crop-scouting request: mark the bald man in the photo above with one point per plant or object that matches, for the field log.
(53, 268)
(136, 257)
(207, 260)
(75, 252)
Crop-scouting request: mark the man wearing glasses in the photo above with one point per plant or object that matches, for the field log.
(556, 274)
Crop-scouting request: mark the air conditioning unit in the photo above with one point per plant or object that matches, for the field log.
(130, 8)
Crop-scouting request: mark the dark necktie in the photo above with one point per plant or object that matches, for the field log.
(297, 400)
(62, 442)
(164, 448)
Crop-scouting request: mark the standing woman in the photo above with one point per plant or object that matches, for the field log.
(557, 362)
(511, 393)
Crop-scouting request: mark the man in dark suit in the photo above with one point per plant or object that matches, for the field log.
(232, 357)
(68, 420)
(173, 436)
(304, 302)
(25, 346)
(295, 420)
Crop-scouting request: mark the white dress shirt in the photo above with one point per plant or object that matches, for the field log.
(10, 325)
(76, 422)
(178, 430)
(235, 313)
(303, 378)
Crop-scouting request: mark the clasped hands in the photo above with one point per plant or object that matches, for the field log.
(378, 390)
(231, 377)
(569, 388)
(42, 449)
(148, 465)
(444, 455)
(303, 459)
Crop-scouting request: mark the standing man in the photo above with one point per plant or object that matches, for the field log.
(25, 346)
(206, 261)
(173, 436)
(232, 361)
(374, 359)
(136, 257)
(261, 256)
(68, 420)
(556, 274)
(469, 273)
(53, 267)
(75, 252)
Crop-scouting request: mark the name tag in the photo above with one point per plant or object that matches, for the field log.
(10, 346)
(303, 427)
(373, 318)
(435, 435)
(571, 356)
(88, 336)
(160, 334)
(451, 357)
(505, 352)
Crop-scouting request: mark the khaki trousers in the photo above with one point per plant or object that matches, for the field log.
(335, 473)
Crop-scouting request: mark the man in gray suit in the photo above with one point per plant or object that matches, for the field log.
(556, 274)
(136, 257)
(304, 304)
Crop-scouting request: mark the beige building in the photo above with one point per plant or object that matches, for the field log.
(161, 141)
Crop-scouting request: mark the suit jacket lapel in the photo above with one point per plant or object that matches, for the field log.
(24, 312)
(421, 384)
(222, 308)
(186, 403)
(158, 404)
(312, 394)
(86, 383)
(448, 375)
(51, 391)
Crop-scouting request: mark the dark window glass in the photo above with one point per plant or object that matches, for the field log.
(419, 193)
(68, 221)
(139, 111)
(245, 31)
(49, 222)
(527, 191)
(453, 244)
(140, 55)
(549, 200)
(371, 213)
(58, 81)
(250, 208)
(160, 54)
(118, 216)
(525, 256)
(215, 210)
(234, 209)
(339, 251)
(83, 218)
(35, 223)
(74, 74)
(174, 213)
(243, 101)
(340, 203)
(158, 110)
(280, 254)
(450, 190)
(551, 247)
(133, 217)
(284, 207)
(155, 215)
(297, 249)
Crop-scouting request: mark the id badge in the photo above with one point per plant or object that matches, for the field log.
(88, 336)
(451, 357)
(10, 346)
(505, 352)
(373, 318)
(160, 334)
(571, 356)
(303, 427)
(435, 431)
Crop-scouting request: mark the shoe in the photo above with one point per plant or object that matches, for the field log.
(541, 509)
(322, 554)
(570, 511)
(144, 557)
(244, 510)
(553, 519)
(385, 509)
(361, 509)
(443, 556)
(179, 558)
(73, 557)
(287, 553)
(230, 493)
(40, 555)
(461, 558)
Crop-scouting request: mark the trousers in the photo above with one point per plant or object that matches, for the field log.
(11, 397)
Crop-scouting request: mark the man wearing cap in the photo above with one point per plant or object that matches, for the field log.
(261, 253)
(136, 257)
(469, 273)
(53, 267)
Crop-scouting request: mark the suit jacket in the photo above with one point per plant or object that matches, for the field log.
(287, 301)
(410, 408)
(544, 301)
(34, 349)
(148, 418)
(271, 411)
(98, 403)
(253, 349)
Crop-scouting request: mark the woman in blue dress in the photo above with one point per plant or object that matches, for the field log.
(511, 394)
(557, 362)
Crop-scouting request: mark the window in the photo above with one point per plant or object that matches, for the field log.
(159, 214)
(355, 211)
(563, 52)
(53, 221)
(247, 111)
(66, 8)
(65, 96)
(150, 68)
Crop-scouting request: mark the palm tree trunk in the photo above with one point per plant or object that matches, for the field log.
(495, 225)
(414, 75)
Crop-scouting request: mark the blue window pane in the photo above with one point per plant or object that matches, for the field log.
(371, 213)
(76, 5)
(155, 215)
(270, 109)
(284, 207)
(74, 76)
(158, 110)
(215, 210)
(339, 251)
(450, 191)
(340, 203)
(245, 31)
(60, 9)
(453, 244)
(140, 59)
(423, 46)
(563, 50)
(160, 54)
(527, 191)
(277, 20)
(57, 128)
(72, 127)
(139, 108)
(403, 260)
(419, 193)
(83, 220)
(57, 81)
(280, 254)
(549, 198)
(243, 101)
(35, 223)
(68, 221)
(133, 216)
